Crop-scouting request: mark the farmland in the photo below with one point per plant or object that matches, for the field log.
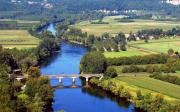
(154, 85)
(17, 38)
(130, 52)
(16, 24)
(116, 26)
(161, 45)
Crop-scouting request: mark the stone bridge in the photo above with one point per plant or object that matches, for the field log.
(74, 76)
(63, 76)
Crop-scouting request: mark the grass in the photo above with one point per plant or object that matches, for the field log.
(148, 85)
(161, 45)
(19, 21)
(17, 24)
(114, 26)
(130, 52)
(151, 84)
(17, 38)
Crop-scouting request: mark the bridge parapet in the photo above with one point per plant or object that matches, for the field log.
(72, 76)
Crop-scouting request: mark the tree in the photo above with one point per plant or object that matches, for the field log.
(146, 38)
(121, 39)
(157, 103)
(1, 47)
(47, 47)
(93, 62)
(34, 72)
(105, 35)
(7, 59)
(170, 52)
(111, 72)
(90, 40)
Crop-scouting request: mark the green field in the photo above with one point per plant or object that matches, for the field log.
(115, 26)
(151, 84)
(16, 24)
(128, 53)
(17, 38)
(161, 45)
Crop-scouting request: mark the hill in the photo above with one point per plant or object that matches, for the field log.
(36, 9)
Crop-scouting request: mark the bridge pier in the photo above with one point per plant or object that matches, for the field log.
(60, 79)
(73, 79)
(87, 79)
(19, 79)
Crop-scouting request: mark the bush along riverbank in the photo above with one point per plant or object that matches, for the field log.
(30, 94)
(148, 102)
(144, 92)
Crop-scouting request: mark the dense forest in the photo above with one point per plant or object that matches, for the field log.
(32, 9)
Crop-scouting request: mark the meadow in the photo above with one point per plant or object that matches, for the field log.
(149, 84)
(116, 26)
(17, 38)
(130, 52)
(160, 46)
(146, 85)
(16, 24)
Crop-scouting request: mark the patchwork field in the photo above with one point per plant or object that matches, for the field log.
(129, 53)
(161, 45)
(16, 24)
(149, 85)
(116, 26)
(17, 38)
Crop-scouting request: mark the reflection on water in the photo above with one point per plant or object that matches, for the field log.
(79, 99)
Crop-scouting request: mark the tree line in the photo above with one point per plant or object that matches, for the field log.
(32, 98)
(98, 43)
(148, 102)
(154, 33)
(166, 77)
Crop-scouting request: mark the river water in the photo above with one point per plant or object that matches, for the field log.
(78, 99)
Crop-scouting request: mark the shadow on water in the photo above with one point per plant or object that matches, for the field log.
(79, 99)
(51, 59)
(101, 94)
(97, 92)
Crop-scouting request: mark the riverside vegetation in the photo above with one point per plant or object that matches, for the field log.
(144, 91)
(135, 86)
(34, 98)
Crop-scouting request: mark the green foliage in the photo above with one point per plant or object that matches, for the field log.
(34, 72)
(138, 60)
(38, 96)
(93, 62)
(7, 59)
(166, 77)
(132, 68)
(47, 47)
(111, 72)
(173, 64)
(147, 102)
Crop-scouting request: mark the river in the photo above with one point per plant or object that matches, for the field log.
(78, 99)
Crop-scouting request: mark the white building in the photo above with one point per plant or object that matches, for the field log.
(174, 2)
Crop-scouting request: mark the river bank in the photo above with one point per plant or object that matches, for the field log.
(78, 99)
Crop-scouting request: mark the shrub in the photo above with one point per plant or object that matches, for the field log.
(93, 62)
(138, 60)
(111, 72)
(153, 68)
(166, 77)
(132, 68)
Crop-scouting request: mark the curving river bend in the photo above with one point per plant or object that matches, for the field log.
(79, 99)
